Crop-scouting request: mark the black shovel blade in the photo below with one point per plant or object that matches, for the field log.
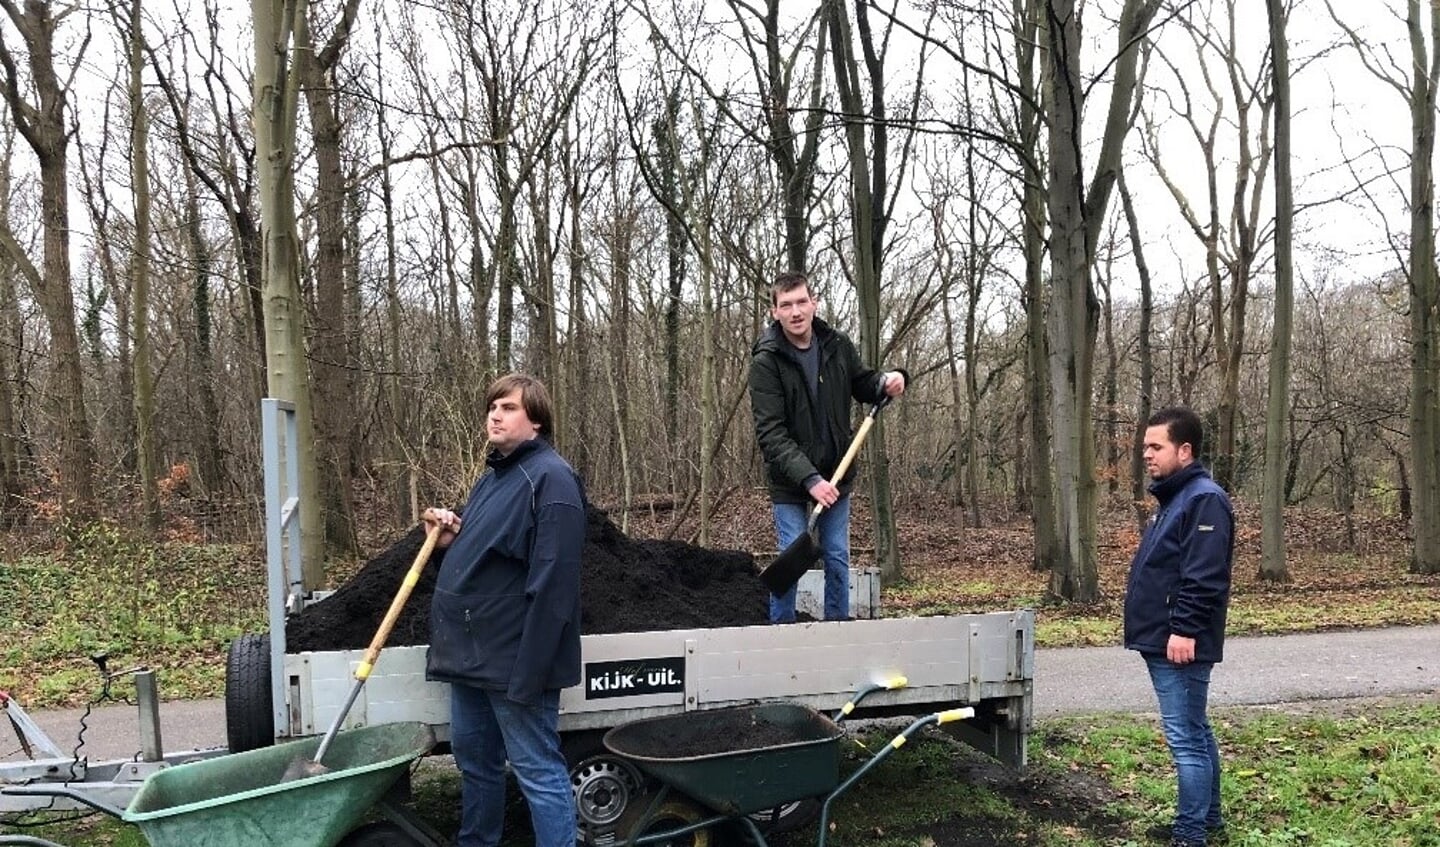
(781, 575)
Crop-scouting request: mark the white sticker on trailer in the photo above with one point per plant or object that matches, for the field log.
(633, 677)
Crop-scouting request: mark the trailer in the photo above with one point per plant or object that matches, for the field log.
(984, 661)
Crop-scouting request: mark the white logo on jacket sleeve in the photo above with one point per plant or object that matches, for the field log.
(1206, 527)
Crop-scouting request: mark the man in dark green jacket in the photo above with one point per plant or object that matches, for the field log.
(803, 375)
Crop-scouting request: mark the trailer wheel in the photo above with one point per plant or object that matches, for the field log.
(605, 785)
(249, 723)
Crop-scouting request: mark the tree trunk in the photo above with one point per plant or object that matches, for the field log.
(1075, 220)
(1044, 516)
(211, 470)
(147, 460)
(1074, 575)
(868, 219)
(331, 370)
(276, 102)
(1030, 24)
(669, 173)
(1138, 478)
(1273, 567)
(44, 128)
(10, 347)
(1424, 297)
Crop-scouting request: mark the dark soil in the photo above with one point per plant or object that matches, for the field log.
(626, 585)
(736, 730)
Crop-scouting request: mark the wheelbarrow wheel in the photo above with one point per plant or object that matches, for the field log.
(672, 814)
(378, 834)
(787, 817)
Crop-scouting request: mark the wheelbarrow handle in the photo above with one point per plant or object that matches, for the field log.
(63, 791)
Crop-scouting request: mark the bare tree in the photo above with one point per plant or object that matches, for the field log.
(1273, 567)
(42, 123)
(1145, 354)
(276, 101)
(1419, 91)
(10, 377)
(332, 371)
(1231, 246)
(147, 462)
(795, 154)
(1076, 215)
(867, 142)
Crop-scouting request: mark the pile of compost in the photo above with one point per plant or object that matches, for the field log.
(626, 585)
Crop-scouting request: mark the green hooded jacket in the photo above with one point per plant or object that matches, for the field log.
(801, 437)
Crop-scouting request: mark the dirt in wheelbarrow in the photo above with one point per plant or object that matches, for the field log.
(627, 585)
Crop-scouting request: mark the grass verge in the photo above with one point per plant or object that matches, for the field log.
(1352, 775)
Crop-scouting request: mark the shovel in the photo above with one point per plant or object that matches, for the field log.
(302, 768)
(781, 575)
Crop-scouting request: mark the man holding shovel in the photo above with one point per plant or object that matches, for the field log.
(505, 619)
(803, 375)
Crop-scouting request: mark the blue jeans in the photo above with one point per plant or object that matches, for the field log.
(1183, 691)
(833, 530)
(486, 729)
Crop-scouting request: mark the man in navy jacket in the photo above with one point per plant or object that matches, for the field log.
(505, 620)
(1175, 605)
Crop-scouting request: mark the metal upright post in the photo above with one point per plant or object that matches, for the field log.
(147, 699)
(285, 583)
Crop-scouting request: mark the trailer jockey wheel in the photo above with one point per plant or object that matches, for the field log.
(672, 814)
(605, 785)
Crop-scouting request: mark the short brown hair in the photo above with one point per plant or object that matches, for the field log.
(1182, 426)
(787, 281)
(533, 397)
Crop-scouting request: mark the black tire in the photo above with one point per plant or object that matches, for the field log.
(378, 834)
(787, 817)
(249, 724)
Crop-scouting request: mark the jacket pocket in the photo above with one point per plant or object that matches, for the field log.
(474, 637)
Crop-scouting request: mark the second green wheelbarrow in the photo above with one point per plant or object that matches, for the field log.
(721, 766)
(241, 799)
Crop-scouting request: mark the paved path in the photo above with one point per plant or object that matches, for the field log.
(1273, 669)
(1257, 670)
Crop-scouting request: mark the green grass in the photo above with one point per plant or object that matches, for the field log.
(1350, 780)
(172, 606)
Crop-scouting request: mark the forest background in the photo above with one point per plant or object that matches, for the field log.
(1057, 215)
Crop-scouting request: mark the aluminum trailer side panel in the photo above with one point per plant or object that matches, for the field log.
(956, 659)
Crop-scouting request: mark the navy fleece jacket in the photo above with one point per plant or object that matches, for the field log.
(506, 609)
(1180, 577)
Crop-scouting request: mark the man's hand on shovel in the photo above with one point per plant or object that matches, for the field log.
(446, 520)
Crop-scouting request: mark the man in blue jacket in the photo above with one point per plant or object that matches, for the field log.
(505, 619)
(1175, 604)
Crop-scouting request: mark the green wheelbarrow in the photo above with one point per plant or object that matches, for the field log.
(721, 766)
(240, 800)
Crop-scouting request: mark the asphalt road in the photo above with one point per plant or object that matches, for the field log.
(1068, 681)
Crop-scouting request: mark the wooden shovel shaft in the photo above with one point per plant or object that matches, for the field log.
(397, 605)
(845, 462)
(372, 654)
